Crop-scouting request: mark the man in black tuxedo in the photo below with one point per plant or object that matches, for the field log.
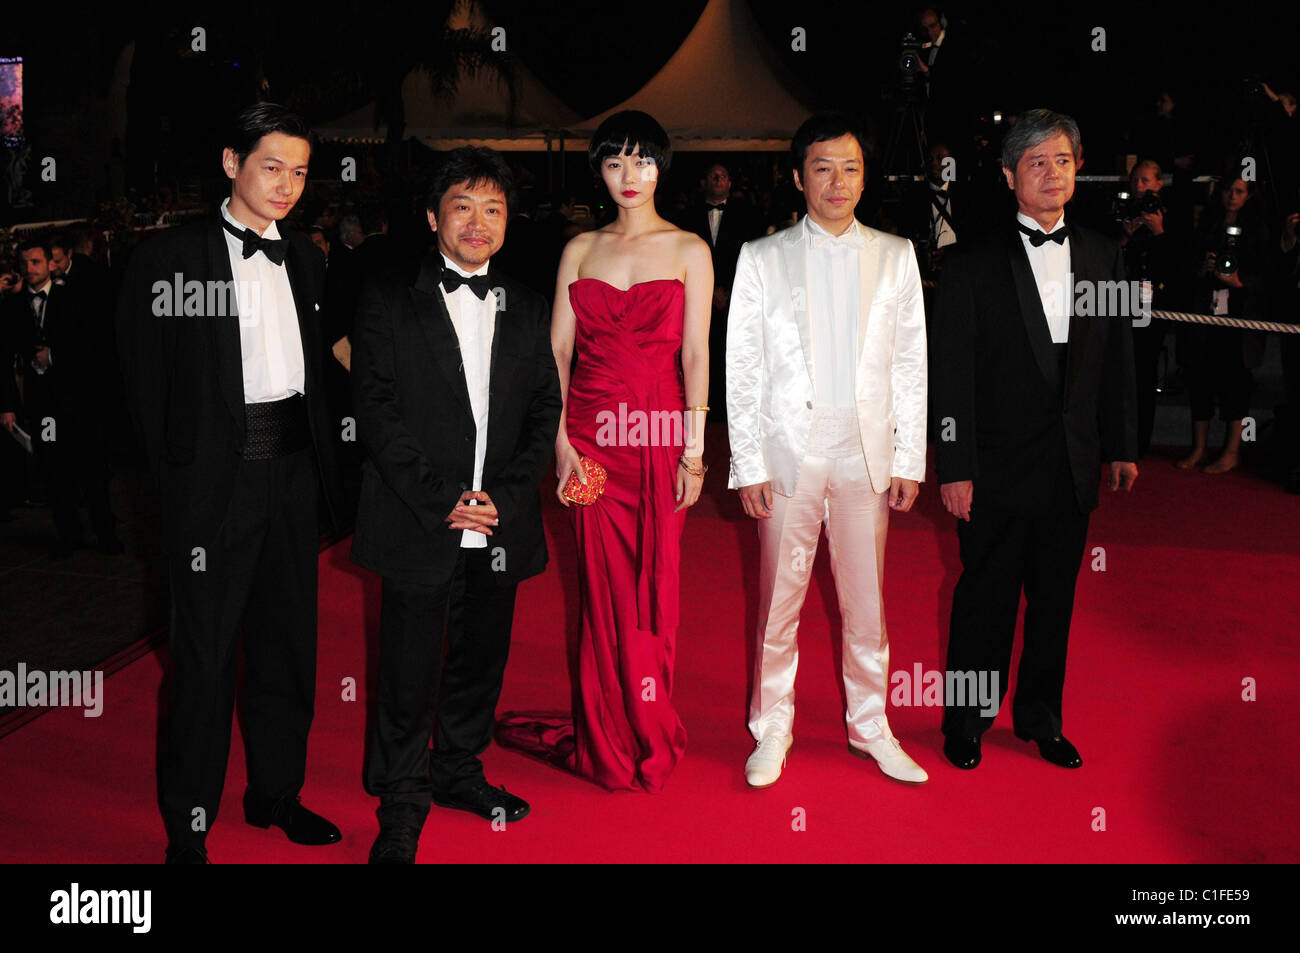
(457, 402)
(46, 327)
(726, 223)
(1033, 388)
(219, 331)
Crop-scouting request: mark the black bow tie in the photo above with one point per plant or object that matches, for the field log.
(273, 248)
(719, 207)
(478, 284)
(37, 294)
(1037, 237)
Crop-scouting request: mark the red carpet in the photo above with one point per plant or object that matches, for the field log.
(1199, 592)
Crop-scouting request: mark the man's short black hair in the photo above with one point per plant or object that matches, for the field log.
(61, 240)
(261, 120)
(820, 128)
(27, 244)
(476, 165)
(630, 130)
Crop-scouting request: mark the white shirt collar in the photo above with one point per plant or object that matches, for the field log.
(49, 282)
(481, 270)
(271, 231)
(813, 228)
(1028, 222)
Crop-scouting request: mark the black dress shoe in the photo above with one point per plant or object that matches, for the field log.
(301, 825)
(481, 798)
(396, 844)
(962, 750)
(1059, 751)
(186, 855)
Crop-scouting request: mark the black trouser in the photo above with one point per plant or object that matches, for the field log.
(260, 575)
(417, 687)
(1003, 551)
(1216, 372)
(718, 364)
(1290, 436)
(1147, 343)
(73, 465)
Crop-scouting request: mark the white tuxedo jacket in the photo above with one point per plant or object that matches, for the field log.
(770, 372)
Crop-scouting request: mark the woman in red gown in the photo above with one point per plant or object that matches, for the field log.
(633, 301)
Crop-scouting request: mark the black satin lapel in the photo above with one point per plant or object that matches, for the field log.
(440, 333)
(1031, 310)
(502, 367)
(308, 320)
(225, 329)
(1081, 328)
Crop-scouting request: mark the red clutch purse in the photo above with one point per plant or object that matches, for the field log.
(584, 494)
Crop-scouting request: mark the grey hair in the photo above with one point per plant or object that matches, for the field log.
(1035, 126)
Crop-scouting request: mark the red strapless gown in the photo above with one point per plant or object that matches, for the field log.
(624, 733)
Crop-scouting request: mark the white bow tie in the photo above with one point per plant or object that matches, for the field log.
(851, 239)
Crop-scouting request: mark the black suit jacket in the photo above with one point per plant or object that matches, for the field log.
(415, 423)
(185, 379)
(68, 385)
(995, 376)
(740, 224)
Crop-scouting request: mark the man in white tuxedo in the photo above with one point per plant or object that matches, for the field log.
(826, 404)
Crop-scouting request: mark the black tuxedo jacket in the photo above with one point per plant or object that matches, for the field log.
(740, 223)
(185, 379)
(415, 423)
(918, 205)
(67, 385)
(997, 387)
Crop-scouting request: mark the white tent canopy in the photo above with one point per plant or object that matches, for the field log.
(480, 113)
(717, 93)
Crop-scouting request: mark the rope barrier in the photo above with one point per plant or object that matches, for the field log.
(1226, 322)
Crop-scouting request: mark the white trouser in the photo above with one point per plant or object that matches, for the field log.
(837, 492)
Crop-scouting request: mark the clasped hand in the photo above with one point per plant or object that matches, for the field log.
(475, 510)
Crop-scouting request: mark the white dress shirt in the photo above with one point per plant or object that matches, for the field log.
(38, 312)
(832, 275)
(475, 324)
(270, 341)
(715, 222)
(1051, 265)
(939, 227)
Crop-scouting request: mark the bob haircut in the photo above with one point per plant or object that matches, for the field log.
(633, 130)
(260, 120)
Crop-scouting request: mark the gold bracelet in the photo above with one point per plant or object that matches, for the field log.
(703, 469)
(704, 407)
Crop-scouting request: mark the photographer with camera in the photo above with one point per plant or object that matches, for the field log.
(1231, 257)
(1152, 256)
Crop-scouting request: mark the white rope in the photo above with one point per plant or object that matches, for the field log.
(1226, 322)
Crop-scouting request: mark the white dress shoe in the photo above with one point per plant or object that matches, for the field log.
(893, 760)
(764, 766)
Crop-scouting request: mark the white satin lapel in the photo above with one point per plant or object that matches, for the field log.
(795, 252)
(868, 275)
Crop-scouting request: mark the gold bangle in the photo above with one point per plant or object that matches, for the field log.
(703, 407)
(703, 469)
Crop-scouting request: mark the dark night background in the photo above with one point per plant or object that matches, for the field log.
(329, 60)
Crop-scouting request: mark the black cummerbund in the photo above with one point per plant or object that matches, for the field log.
(276, 428)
